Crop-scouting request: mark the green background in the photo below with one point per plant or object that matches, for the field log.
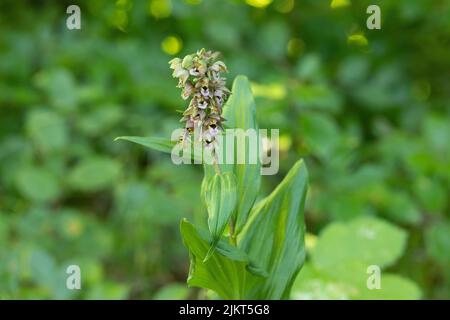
(367, 109)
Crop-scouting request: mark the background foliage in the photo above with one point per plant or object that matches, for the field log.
(368, 110)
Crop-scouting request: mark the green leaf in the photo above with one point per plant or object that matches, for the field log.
(101, 119)
(227, 270)
(173, 291)
(220, 200)
(393, 287)
(47, 130)
(401, 208)
(356, 245)
(437, 243)
(340, 261)
(313, 285)
(191, 151)
(155, 143)
(274, 235)
(94, 173)
(240, 113)
(37, 184)
(431, 194)
(61, 88)
(321, 134)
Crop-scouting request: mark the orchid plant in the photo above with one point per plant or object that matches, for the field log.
(254, 246)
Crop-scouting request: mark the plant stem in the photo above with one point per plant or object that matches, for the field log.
(232, 235)
(217, 168)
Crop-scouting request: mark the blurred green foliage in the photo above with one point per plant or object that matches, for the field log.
(369, 110)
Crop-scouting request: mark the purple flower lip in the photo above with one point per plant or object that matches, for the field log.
(194, 72)
(204, 91)
(219, 101)
(202, 105)
(213, 130)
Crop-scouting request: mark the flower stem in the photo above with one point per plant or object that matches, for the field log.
(217, 168)
(232, 235)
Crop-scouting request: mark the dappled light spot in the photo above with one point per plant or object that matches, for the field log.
(357, 39)
(120, 15)
(310, 241)
(171, 45)
(275, 91)
(120, 19)
(193, 2)
(285, 142)
(335, 4)
(74, 227)
(258, 3)
(160, 8)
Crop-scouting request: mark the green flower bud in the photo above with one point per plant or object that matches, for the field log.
(187, 61)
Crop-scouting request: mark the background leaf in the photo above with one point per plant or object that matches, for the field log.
(340, 260)
(175, 291)
(94, 173)
(393, 287)
(38, 184)
(47, 130)
(368, 241)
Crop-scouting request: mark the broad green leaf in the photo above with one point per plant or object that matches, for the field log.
(274, 235)
(61, 88)
(108, 290)
(365, 241)
(318, 97)
(220, 201)
(313, 285)
(240, 113)
(155, 143)
(393, 287)
(47, 130)
(101, 119)
(321, 134)
(226, 272)
(431, 194)
(48, 275)
(437, 242)
(37, 184)
(94, 173)
(401, 208)
(175, 291)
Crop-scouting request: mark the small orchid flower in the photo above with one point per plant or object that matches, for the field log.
(187, 91)
(204, 91)
(202, 104)
(194, 72)
(213, 130)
